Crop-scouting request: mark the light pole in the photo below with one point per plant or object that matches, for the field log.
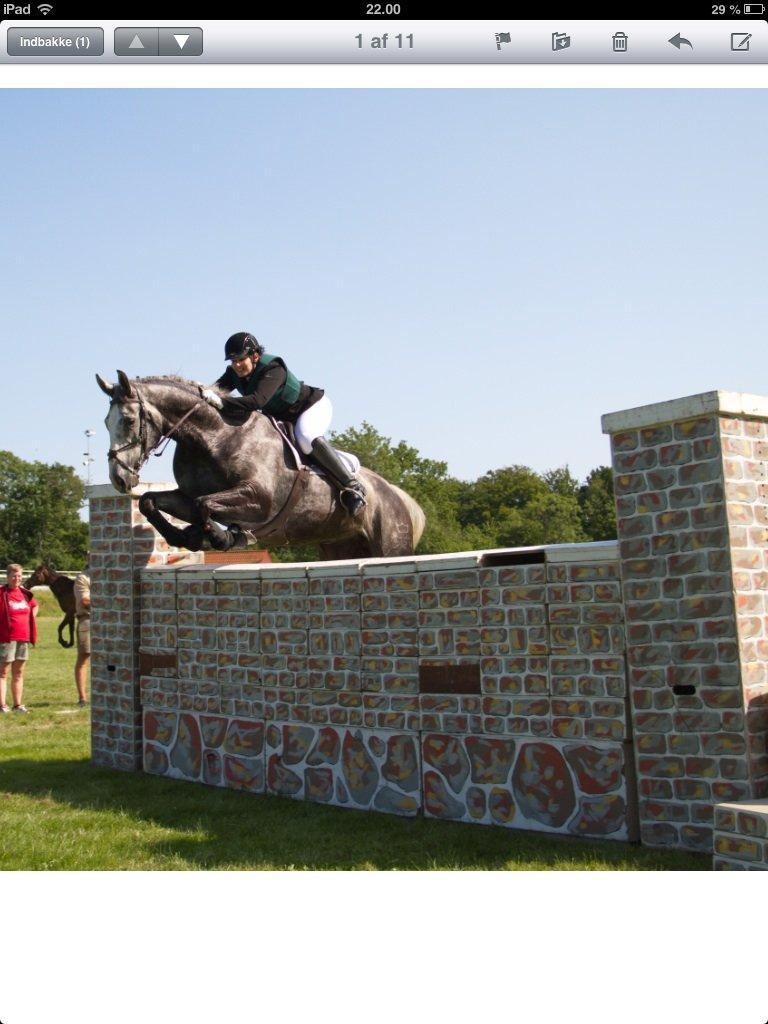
(87, 461)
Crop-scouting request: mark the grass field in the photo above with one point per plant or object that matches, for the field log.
(59, 812)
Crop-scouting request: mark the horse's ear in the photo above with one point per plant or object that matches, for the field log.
(105, 386)
(125, 384)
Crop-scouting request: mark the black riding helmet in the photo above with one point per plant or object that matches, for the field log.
(242, 344)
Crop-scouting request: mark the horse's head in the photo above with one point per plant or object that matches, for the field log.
(41, 577)
(133, 432)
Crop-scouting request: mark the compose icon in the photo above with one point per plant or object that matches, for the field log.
(560, 41)
(740, 41)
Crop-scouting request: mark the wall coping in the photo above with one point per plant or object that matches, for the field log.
(587, 553)
(108, 491)
(722, 403)
(742, 806)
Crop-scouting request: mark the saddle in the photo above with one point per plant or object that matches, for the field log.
(302, 461)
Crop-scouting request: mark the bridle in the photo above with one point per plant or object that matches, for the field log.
(141, 440)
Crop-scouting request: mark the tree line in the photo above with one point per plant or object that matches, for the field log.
(40, 513)
(509, 507)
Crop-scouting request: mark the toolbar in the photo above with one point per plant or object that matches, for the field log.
(388, 42)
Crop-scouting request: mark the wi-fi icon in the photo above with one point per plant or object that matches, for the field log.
(45, 8)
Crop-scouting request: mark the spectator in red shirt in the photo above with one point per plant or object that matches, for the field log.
(18, 631)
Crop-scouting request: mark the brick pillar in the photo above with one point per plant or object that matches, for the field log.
(691, 485)
(121, 544)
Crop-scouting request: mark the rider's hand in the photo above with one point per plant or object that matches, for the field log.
(212, 398)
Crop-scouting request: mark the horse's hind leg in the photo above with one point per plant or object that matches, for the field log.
(153, 504)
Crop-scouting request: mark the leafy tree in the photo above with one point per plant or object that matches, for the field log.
(561, 481)
(598, 511)
(39, 513)
(515, 506)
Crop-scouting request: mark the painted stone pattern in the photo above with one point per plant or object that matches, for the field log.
(546, 785)
(692, 516)
(121, 544)
(213, 749)
(348, 767)
(741, 837)
(587, 647)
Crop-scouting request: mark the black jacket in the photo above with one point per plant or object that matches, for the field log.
(256, 394)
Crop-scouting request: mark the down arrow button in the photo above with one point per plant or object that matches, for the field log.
(181, 42)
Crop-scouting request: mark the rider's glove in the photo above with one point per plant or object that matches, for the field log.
(212, 398)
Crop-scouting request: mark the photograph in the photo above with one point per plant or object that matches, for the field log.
(453, 555)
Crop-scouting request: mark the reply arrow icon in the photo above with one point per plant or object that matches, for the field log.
(678, 41)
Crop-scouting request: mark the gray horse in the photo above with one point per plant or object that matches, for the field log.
(240, 473)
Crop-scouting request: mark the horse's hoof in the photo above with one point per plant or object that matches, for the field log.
(241, 539)
(146, 504)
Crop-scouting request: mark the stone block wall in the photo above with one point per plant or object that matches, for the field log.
(422, 685)
(690, 479)
(741, 836)
(613, 689)
(121, 544)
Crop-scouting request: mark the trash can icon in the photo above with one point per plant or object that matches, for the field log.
(620, 40)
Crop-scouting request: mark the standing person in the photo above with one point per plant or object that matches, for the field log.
(18, 631)
(83, 616)
(267, 385)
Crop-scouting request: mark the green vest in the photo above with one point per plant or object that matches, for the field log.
(285, 396)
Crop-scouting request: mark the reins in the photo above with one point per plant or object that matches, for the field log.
(163, 440)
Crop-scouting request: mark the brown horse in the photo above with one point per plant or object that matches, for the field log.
(238, 472)
(63, 589)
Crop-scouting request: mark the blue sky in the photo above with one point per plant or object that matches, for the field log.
(481, 273)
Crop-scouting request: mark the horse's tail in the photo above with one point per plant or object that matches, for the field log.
(415, 511)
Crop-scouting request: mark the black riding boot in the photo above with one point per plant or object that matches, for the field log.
(352, 491)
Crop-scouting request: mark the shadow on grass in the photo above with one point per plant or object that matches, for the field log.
(218, 828)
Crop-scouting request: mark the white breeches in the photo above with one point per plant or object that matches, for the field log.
(313, 423)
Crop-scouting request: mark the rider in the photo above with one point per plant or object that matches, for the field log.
(267, 385)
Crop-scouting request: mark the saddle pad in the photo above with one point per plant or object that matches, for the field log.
(286, 432)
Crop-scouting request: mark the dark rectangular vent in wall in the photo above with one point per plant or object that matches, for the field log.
(449, 678)
(497, 558)
(149, 662)
(683, 690)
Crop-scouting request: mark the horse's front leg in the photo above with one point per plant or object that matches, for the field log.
(153, 504)
(232, 507)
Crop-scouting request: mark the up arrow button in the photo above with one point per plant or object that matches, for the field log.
(135, 42)
(181, 42)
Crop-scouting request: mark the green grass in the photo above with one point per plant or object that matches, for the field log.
(59, 812)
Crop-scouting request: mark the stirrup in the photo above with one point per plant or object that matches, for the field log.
(352, 498)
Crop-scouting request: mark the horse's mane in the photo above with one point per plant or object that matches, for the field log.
(170, 378)
(191, 389)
